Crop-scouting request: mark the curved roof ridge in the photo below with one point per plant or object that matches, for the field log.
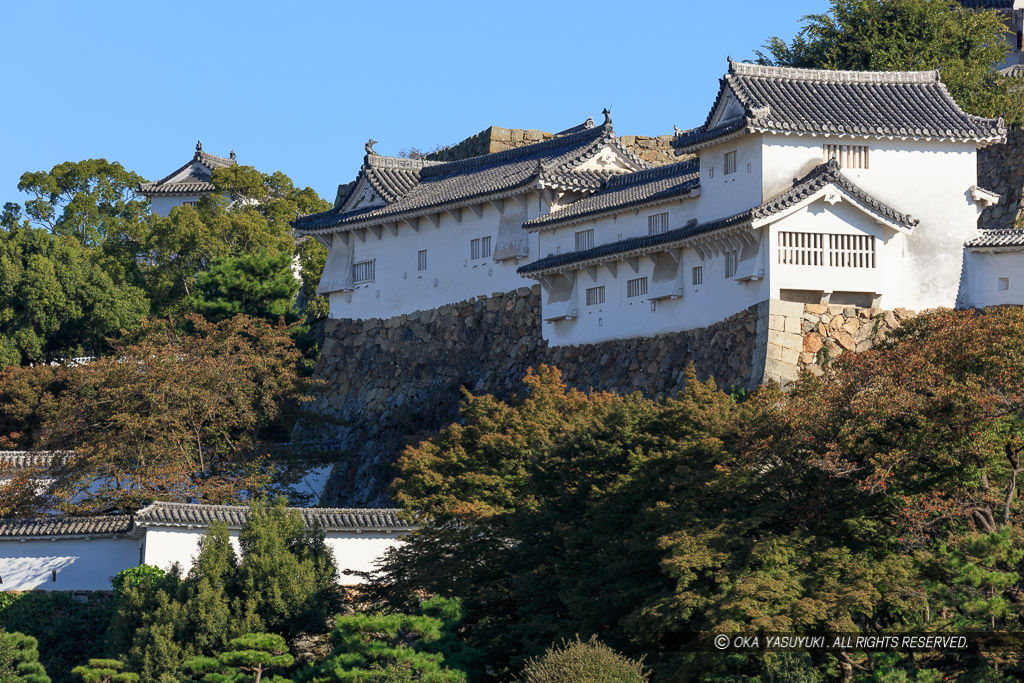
(679, 167)
(832, 75)
(516, 153)
(825, 174)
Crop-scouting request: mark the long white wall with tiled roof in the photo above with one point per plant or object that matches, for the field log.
(451, 274)
(64, 564)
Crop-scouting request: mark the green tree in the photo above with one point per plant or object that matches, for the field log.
(92, 200)
(283, 582)
(384, 648)
(894, 35)
(60, 298)
(104, 671)
(22, 653)
(259, 285)
(246, 659)
(577, 660)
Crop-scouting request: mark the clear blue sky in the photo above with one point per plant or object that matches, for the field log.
(299, 87)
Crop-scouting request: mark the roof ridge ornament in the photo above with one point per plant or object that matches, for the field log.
(369, 146)
(232, 155)
(199, 145)
(607, 116)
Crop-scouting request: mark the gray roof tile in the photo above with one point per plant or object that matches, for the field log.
(330, 519)
(997, 238)
(202, 164)
(626, 191)
(438, 185)
(64, 526)
(26, 459)
(822, 175)
(904, 104)
(987, 4)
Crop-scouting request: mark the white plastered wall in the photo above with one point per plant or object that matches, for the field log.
(451, 275)
(929, 180)
(842, 218)
(352, 550)
(161, 206)
(995, 278)
(81, 564)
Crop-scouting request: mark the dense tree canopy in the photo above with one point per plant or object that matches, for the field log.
(87, 260)
(877, 499)
(910, 35)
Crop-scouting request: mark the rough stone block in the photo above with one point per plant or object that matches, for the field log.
(781, 372)
(844, 340)
(777, 322)
(812, 342)
(851, 325)
(793, 326)
(816, 309)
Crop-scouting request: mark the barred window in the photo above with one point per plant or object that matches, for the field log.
(595, 295)
(732, 262)
(474, 249)
(698, 275)
(730, 162)
(657, 224)
(485, 247)
(817, 249)
(584, 239)
(421, 260)
(363, 271)
(637, 287)
(848, 156)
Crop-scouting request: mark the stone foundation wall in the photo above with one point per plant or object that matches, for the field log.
(1001, 169)
(394, 381)
(656, 150)
(805, 337)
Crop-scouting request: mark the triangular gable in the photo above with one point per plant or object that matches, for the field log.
(727, 109)
(362, 196)
(833, 194)
(609, 158)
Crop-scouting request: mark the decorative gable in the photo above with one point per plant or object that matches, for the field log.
(363, 196)
(609, 159)
(727, 110)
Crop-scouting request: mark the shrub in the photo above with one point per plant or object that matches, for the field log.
(583, 662)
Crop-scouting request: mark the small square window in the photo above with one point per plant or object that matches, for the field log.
(1004, 284)
(732, 260)
(657, 224)
(730, 162)
(637, 287)
(698, 275)
(584, 239)
(595, 295)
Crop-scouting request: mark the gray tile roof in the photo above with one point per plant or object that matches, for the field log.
(626, 191)
(439, 185)
(822, 175)
(330, 519)
(1013, 71)
(202, 165)
(26, 459)
(902, 104)
(64, 526)
(987, 4)
(997, 238)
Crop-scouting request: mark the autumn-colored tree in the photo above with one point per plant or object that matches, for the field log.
(177, 416)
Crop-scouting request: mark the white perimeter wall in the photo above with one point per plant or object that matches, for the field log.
(356, 551)
(451, 275)
(984, 274)
(81, 564)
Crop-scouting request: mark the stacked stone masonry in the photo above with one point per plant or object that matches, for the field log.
(391, 382)
(1001, 169)
(804, 337)
(654, 150)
